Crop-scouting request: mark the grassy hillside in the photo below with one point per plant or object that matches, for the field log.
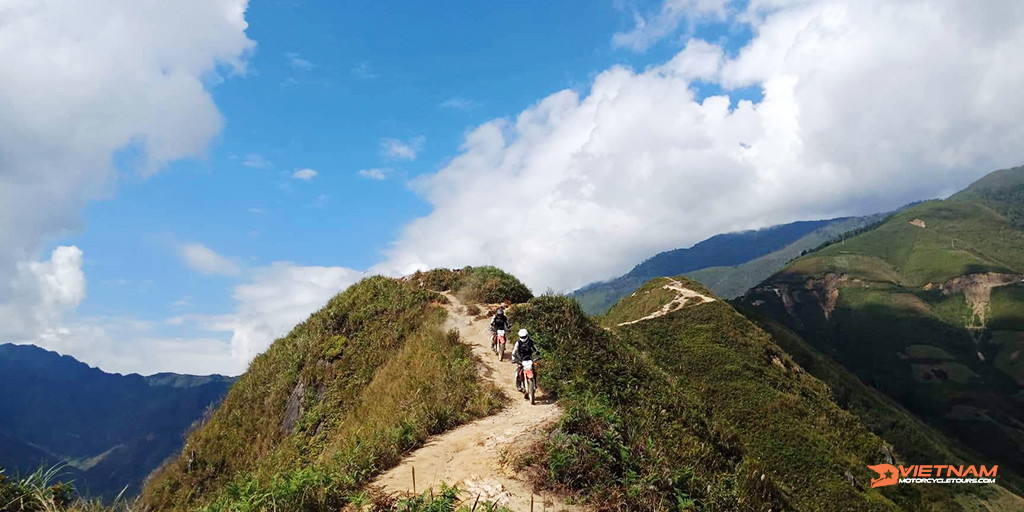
(474, 284)
(112, 430)
(1003, 191)
(340, 398)
(649, 299)
(734, 281)
(728, 264)
(927, 309)
(699, 409)
(916, 440)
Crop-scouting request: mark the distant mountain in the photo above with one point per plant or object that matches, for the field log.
(927, 307)
(111, 429)
(728, 264)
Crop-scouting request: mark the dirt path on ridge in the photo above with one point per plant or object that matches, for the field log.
(683, 296)
(470, 456)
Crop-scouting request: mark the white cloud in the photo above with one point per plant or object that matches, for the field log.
(298, 62)
(276, 298)
(396, 149)
(649, 30)
(128, 346)
(866, 105)
(256, 161)
(459, 103)
(363, 71)
(375, 174)
(205, 260)
(81, 82)
(304, 174)
(41, 293)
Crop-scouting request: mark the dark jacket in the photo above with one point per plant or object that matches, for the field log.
(500, 321)
(525, 350)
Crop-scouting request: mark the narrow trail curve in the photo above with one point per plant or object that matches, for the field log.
(684, 295)
(470, 456)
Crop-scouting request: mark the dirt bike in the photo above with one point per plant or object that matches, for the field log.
(498, 343)
(528, 376)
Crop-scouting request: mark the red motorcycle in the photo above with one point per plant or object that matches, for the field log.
(527, 375)
(498, 343)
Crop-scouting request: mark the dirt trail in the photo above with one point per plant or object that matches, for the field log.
(683, 296)
(470, 456)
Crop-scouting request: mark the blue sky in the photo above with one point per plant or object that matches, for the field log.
(324, 88)
(182, 182)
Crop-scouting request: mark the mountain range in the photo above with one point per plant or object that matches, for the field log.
(728, 264)
(110, 430)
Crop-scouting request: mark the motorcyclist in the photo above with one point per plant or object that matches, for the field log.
(500, 321)
(524, 350)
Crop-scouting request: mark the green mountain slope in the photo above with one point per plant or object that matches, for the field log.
(729, 263)
(339, 399)
(929, 309)
(111, 429)
(1003, 191)
(734, 281)
(687, 404)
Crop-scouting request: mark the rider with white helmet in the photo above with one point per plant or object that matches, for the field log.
(524, 350)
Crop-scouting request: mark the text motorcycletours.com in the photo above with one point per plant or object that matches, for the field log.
(889, 474)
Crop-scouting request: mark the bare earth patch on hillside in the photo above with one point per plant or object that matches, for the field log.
(471, 456)
(684, 296)
(978, 290)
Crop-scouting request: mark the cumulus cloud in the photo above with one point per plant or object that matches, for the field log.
(41, 293)
(375, 174)
(396, 149)
(304, 174)
(650, 29)
(81, 82)
(273, 301)
(125, 345)
(867, 104)
(203, 259)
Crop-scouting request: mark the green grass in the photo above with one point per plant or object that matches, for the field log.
(447, 499)
(1010, 358)
(475, 284)
(339, 399)
(45, 491)
(1003, 191)
(648, 299)
(1005, 309)
(697, 409)
(891, 304)
(960, 238)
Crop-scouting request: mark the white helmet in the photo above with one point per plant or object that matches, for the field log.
(523, 333)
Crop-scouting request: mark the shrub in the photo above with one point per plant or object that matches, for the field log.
(475, 284)
(342, 397)
(43, 491)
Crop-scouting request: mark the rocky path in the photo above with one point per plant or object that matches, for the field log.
(470, 456)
